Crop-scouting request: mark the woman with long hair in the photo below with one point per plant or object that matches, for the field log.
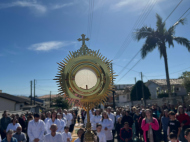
(164, 122)
(184, 120)
(53, 120)
(96, 119)
(149, 125)
(107, 126)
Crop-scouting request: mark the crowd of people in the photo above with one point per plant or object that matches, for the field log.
(152, 123)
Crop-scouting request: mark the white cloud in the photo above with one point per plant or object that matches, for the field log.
(38, 7)
(58, 6)
(51, 45)
(131, 5)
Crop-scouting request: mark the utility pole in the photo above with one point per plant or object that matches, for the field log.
(34, 93)
(50, 99)
(31, 92)
(136, 88)
(143, 89)
(113, 84)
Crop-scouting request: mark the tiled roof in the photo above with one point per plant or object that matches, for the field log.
(48, 96)
(13, 98)
(164, 82)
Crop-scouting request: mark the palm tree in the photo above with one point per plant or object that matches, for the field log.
(159, 38)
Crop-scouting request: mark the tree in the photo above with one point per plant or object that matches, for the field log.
(186, 80)
(137, 89)
(60, 102)
(159, 38)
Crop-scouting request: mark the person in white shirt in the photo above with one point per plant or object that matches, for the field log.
(53, 120)
(68, 116)
(13, 126)
(107, 126)
(79, 133)
(53, 136)
(36, 129)
(101, 135)
(62, 123)
(95, 119)
(112, 117)
(66, 135)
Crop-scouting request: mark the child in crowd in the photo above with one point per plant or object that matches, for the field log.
(66, 135)
(174, 124)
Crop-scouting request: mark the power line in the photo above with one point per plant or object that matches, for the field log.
(90, 19)
(129, 70)
(140, 50)
(126, 68)
(129, 62)
(170, 73)
(138, 22)
(184, 14)
(173, 10)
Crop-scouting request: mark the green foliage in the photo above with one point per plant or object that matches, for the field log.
(186, 80)
(60, 102)
(138, 88)
(162, 95)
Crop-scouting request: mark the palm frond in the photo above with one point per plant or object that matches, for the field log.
(169, 39)
(183, 41)
(143, 32)
(149, 46)
(171, 30)
(160, 25)
(162, 49)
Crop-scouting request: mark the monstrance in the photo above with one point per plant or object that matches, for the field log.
(85, 78)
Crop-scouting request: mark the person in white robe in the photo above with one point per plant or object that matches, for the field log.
(14, 125)
(62, 122)
(79, 134)
(68, 116)
(101, 135)
(53, 136)
(53, 120)
(107, 126)
(112, 117)
(36, 129)
(95, 119)
(66, 135)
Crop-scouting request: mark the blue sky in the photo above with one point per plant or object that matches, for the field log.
(36, 34)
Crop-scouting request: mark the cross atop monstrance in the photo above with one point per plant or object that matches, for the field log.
(83, 39)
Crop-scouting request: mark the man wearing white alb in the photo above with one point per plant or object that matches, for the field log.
(36, 129)
(53, 120)
(112, 117)
(68, 116)
(53, 136)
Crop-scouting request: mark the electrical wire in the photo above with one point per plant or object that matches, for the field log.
(170, 73)
(138, 22)
(184, 14)
(129, 70)
(173, 10)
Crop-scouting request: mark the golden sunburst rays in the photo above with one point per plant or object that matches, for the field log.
(107, 77)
